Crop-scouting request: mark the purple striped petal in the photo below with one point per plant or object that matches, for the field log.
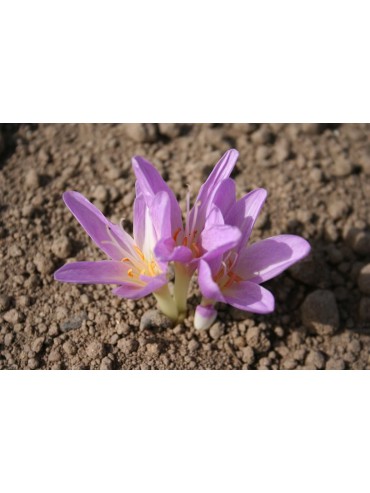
(103, 272)
(134, 291)
(150, 183)
(208, 287)
(245, 212)
(225, 196)
(109, 237)
(268, 258)
(249, 296)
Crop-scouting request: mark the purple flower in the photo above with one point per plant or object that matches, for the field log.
(204, 232)
(132, 264)
(235, 276)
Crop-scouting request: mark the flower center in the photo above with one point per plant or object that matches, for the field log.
(141, 265)
(226, 277)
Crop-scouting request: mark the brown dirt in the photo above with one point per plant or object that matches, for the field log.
(318, 181)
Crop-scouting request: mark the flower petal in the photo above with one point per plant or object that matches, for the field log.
(208, 287)
(134, 291)
(218, 239)
(268, 258)
(150, 183)
(167, 251)
(225, 196)
(109, 237)
(102, 272)
(245, 212)
(250, 296)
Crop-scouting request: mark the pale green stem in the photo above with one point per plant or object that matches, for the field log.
(166, 303)
(181, 288)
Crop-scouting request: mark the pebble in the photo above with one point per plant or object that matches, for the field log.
(316, 175)
(337, 209)
(43, 264)
(74, 323)
(37, 344)
(141, 132)
(360, 242)
(335, 364)
(193, 345)
(153, 348)
(289, 364)
(12, 316)
(106, 364)
(128, 346)
(257, 340)
(70, 348)
(342, 167)
(4, 302)
(32, 179)
(54, 356)
(315, 359)
(171, 130)
(240, 342)
(282, 150)
(33, 364)
(101, 194)
(248, 355)
(62, 247)
(95, 349)
(8, 339)
(14, 251)
(216, 331)
(153, 319)
(363, 279)
(320, 312)
(364, 310)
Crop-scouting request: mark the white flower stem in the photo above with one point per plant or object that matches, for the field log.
(166, 303)
(181, 288)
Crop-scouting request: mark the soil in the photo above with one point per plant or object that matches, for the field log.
(318, 179)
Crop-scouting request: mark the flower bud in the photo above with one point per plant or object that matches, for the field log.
(204, 316)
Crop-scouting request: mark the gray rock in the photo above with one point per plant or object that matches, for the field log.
(62, 247)
(153, 319)
(74, 322)
(320, 312)
(363, 279)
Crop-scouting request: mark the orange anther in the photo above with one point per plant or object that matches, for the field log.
(176, 234)
(130, 273)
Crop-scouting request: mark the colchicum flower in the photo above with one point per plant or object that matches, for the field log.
(235, 276)
(214, 240)
(203, 232)
(132, 264)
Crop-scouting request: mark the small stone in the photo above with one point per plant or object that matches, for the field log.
(316, 359)
(37, 344)
(240, 342)
(141, 132)
(248, 355)
(363, 279)
(257, 340)
(23, 300)
(153, 319)
(106, 364)
(12, 316)
(128, 346)
(282, 150)
(361, 243)
(4, 302)
(354, 347)
(54, 356)
(32, 179)
(171, 130)
(62, 247)
(316, 175)
(320, 312)
(289, 364)
(15, 251)
(85, 300)
(61, 312)
(338, 209)
(8, 339)
(101, 194)
(33, 364)
(335, 364)
(341, 167)
(193, 345)
(216, 331)
(74, 322)
(95, 350)
(43, 264)
(364, 310)
(70, 348)
(153, 348)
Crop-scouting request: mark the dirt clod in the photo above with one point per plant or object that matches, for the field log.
(320, 312)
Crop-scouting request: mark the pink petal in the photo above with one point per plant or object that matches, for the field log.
(208, 287)
(109, 237)
(268, 258)
(103, 272)
(134, 291)
(249, 296)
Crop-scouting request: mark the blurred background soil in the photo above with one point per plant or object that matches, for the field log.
(318, 180)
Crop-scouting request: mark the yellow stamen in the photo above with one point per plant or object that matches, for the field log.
(139, 252)
(130, 273)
